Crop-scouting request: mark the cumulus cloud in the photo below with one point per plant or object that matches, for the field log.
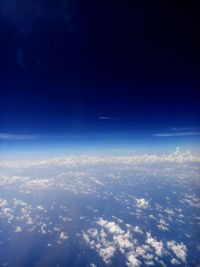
(179, 250)
(132, 261)
(18, 229)
(142, 203)
(175, 261)
(170, 212)
(107, 253)
(109, 238)
(192, 200)
(63, 236)
(163, 226)
(112, 227)
(157, 245)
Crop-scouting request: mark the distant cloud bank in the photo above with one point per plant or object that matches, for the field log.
(177, 156)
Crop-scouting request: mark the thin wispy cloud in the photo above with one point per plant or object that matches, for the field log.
(106, 118)
(174, 134)
(185, 129)
(8, 136)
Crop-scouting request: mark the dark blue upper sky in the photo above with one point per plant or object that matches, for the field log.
(96, 69)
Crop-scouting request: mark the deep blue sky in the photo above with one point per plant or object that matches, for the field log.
(99, 71)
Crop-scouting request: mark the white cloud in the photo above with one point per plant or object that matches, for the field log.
(93, 232)
(63, 236)
(7, 213)
(3, 202)
(7, 136)
(43, 228)
(29, 220)
(112, 235)
(85, 160)
(86, 238)
(106, 118)
(151, 216)
(18, 229)
(175, 261)
(110, 239)
(174, 134)
(123, 242)
(142, 203)
(107, 253)
(37, 184)
(112, 227)
(182, 129)
(132, 261)
(138, 230)
(39, 207)
(169, 212)
(163, 226)
(179, 250)
(192, 200)
(157, 245)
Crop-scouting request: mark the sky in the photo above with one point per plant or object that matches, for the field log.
(93, 75)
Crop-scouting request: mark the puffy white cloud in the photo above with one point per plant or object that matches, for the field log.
(142, 203)
(110, 239)
(7, 213)
(157, 245)
(163, 226)
(93, 232)
(3, 202)
(107, 253)
(123, 242)
(43, 229)
(132, 261)
(112, 227)
(39, 207)
(180, 250)
(169, 212)
(151, 216)
(138, 230)
(63, 236)
(174, 261)
(19, 202)
(86, 238)
(192, 200)
(29, 220)
(18, 229)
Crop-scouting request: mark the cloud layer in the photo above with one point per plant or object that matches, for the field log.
(85, 160)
